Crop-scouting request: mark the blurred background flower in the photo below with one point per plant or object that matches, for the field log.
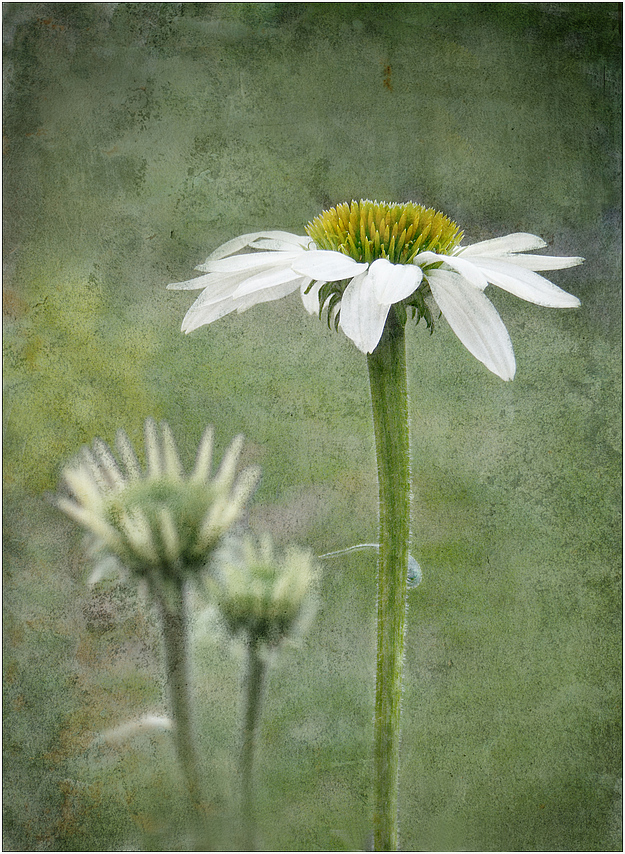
(156, 521)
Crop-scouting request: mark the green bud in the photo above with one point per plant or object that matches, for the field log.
(261, 595)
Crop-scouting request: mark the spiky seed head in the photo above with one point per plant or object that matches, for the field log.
(156, 519)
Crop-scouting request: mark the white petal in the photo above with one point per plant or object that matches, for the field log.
(267, 279)
(189, 285)
(238, 243)
(394, 282)
(518, 242)
(251, 262)
(282, 241)
(461, 265)
(234, 245)
(525, 284)
(201, 314)
(278, 291)
(327, 265)
(362, 316)
(216, 285)
(543, 262)
(311, 299)
(475, 321)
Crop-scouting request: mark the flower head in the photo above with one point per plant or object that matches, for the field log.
(157, 518)
(262, 595)
(360, 259)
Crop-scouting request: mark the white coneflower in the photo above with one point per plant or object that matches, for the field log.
(156, 518)
(360, 259)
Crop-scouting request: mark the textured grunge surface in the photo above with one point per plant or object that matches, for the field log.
(138, 137)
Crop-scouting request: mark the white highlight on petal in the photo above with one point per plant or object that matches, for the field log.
(517, 242)
(475, 321)
(362, 316)
(525, 283)
(327, 265)
(393, 282)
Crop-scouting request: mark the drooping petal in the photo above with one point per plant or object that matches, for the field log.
(282, 241)
(217, 283)
(245, 240)
(203, 313)
(327, 265)
(190, 284)
(278, 291)
(461, 265)
(311, 299)
(267, 279)
(251, 262)
(393, 282)
(200, 314)
(525, 283)
(475, 321)
(362, 316)
(543, 262)
(517, 242)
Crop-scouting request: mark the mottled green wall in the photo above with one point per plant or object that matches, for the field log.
(137, 138)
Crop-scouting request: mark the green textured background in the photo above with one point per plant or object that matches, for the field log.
(138, 137)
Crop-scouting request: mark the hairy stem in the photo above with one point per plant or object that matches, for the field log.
(389, 398)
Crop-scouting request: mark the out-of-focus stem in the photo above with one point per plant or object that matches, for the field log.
(176, 648)
(253, 694)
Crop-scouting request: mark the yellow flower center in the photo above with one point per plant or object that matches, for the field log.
(368, 230)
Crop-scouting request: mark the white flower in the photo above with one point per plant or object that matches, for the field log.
(385, 257)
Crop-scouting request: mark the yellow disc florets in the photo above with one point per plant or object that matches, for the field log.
(368, 230)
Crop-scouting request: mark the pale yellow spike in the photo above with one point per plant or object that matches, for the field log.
(204, 458)
(84, 487)
(127, 454)
(171, 459)
(108, 464)
(153, 449)
(225, 475)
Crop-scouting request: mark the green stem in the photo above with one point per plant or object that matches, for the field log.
(253, 688)
(389, 398)
(175, 642)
